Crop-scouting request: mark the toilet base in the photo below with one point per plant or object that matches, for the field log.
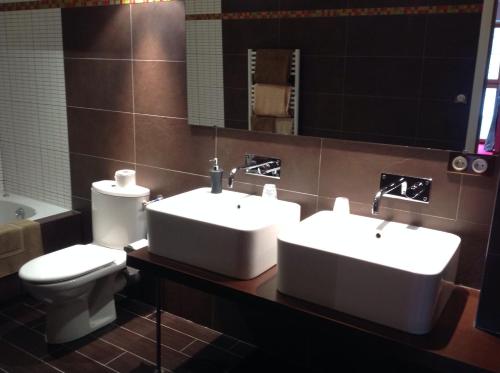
(70, 321)
(76, 317)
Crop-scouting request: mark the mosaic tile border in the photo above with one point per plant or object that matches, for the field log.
(347, 12)
(49, 4)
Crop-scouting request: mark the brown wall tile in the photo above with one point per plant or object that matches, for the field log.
(169, 183)
(353, 170)
(101, 133)
(86, 169)
(299, 156)
(160, 88)
(158, 31)
(101, 84)
(477, 199)
(171, 143)
(97, 32)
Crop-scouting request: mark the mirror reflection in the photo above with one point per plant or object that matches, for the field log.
(370, 71)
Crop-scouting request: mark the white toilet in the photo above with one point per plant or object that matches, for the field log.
(79, 282)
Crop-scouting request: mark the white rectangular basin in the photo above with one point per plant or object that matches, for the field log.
(231, 233)
(389, 273)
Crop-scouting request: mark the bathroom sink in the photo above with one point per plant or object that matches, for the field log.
(230, 233)
(389, 273)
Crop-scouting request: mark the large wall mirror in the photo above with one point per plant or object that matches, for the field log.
(377, 71)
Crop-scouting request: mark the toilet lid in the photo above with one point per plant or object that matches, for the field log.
(68, 263)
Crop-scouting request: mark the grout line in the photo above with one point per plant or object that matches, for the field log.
(459, 198)
(33, 356)
(98, 157)
(132, 353)
(186, 334)
(116, 358)
(152, 340)
(95, 361)
(127, 112)
(186, 346)
(319, 173)
(121, 59)
(133, 85)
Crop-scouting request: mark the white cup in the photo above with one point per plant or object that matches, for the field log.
(270, 191)
(341, 206)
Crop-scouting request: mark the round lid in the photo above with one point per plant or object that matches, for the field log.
(69, 263)
(109, 187)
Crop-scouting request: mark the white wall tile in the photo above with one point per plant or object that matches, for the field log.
(33, 124)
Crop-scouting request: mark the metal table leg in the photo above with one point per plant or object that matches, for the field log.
(158, 323)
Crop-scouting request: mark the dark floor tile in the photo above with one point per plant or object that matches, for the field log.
(14, 360)
(206, 354)
(139, 308)
(196, 331)
(30, 341)
(128, 363)
(24, 314)
(147, 328)
(243, 349)
(6, 325)
(74, 362)
(96, 349)
(143, 348)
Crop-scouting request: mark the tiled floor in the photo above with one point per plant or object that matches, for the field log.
(125, 346)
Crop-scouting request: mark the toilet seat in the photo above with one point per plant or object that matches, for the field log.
(70, 263)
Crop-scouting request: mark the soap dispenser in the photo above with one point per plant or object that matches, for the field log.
(216, 176)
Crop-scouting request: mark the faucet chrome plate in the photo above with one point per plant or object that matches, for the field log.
(417, 189)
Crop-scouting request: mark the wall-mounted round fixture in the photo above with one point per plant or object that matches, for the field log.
(459, 163)
(480, 166)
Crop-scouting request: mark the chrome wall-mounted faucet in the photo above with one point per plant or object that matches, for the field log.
(402, 187)
(258, 166)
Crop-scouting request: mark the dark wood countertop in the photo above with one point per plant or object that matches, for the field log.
(454, 341)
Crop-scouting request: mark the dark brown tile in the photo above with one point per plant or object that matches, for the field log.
(240, 35)
(169, 183)
(71, 361)
(15, 360)
(159, 31)
(308, 4)
(325, 36)
(147, 328)
(100, 84)
(322, 74)
(207, 355)
(197, 331)
(376, 117)
(190, 147)
(243, 349)
(136, 307)
(96, 32)
(26, 315)
(95, 349)
(235, 71)
(321, 110)
(375, 36)
(30, 341)
(489, 303)
(129, 363)
(144, 348)
(6, 325)
(229, 6)
(236, 105)
(160, 88)
(452, 35)
(83, 206)
(445, 78)
(101, 133)
(299, 156)
(85, 170)
(376, 76)
(352, 170)
(477, 199)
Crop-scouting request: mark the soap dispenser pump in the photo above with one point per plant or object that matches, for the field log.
(216, 176)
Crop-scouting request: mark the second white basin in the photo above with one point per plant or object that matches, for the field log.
(231, 233)
(390, 273)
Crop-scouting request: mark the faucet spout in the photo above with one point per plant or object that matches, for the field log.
(389, 188)
(232, 174)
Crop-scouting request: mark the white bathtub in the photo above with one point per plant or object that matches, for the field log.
(11, 204)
